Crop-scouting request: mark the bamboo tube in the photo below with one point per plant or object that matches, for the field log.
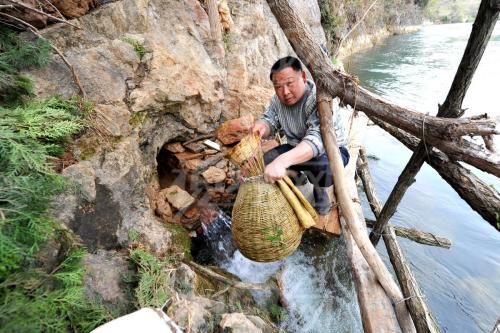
(301, 197)
(306, 220)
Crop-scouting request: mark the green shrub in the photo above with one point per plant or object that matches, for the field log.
(153, 287)
(34, 301)
(138, 47)
(16, 54)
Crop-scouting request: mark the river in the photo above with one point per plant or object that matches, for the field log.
(462, 284)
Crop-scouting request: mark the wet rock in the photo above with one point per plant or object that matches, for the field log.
(178, 198)
(262, 325)
(83, 174)
(162, 207)
(195, 147)
(194, 164)
(196, 313)
(184, 279)
(103, 280)
(97, 223)
(237, 323)
(222, 164)
(234, 130)
(214, 175)
(175, 147)
(190, 219)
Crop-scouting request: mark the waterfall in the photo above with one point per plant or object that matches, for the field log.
(316, 280)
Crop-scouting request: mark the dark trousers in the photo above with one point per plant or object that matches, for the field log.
(316, 170)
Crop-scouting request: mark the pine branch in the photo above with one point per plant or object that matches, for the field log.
(35, 32)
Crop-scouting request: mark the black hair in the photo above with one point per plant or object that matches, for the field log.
(285, 63)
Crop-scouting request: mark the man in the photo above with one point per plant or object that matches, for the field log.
(293, 109)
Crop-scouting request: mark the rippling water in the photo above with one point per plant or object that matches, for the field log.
(462, 284)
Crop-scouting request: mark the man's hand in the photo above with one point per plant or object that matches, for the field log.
(275, 171)
(260, 128)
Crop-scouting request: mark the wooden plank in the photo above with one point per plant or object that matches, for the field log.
(424, 322)
(377, 312)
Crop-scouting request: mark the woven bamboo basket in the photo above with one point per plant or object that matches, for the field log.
(264, 225)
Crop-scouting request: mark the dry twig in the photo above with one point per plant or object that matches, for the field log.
(41, 12)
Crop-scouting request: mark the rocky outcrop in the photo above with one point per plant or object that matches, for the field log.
(105, 273)
(152, 73)
(149, 69)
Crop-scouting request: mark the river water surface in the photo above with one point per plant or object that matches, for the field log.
(462, 284)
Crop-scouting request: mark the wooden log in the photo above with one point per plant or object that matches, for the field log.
(452, 107)
(420, 313)
(345, 87)
(418, 236)
(481, 197)
(356, 226)
(377, 312)
(424, 322)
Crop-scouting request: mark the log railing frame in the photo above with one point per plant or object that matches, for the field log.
(452, 108)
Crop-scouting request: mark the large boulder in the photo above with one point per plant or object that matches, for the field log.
(105, 272)
(237, 323)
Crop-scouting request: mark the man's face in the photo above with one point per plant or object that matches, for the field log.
(289, 85)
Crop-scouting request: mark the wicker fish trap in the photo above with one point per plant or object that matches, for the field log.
(264, 227)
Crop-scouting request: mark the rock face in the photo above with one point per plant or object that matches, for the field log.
(154, 77)
(104, 275)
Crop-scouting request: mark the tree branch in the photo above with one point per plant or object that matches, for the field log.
(42, 13)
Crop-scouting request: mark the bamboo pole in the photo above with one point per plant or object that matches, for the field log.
(307, 205)
(305, 219)
(352, 219)
(424, 322)
(451, 108)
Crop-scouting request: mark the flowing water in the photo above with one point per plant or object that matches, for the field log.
(462, 284)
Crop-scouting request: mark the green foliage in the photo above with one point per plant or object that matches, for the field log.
(34, 301)
(229, 40)
(153, 288)
(30, 136)
(16, 54)
(451, 11)
(278, 314)
(138, 47)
